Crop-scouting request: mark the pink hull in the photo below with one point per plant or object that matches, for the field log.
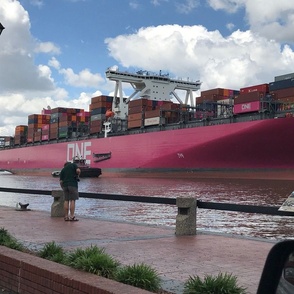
(256, 145)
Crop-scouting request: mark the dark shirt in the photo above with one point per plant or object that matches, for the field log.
(69, 176)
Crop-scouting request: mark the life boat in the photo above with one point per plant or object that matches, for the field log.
(109, 113)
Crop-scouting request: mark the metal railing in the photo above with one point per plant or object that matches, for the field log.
(268, 210)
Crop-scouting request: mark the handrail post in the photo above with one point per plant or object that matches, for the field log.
(57, 207)
(186, 217)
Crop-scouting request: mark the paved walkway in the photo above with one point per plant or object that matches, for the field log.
(175, 258)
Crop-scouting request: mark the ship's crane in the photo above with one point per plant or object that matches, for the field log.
(148, 85)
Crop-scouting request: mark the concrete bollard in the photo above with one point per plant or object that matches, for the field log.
(57, 209)
(186, 217)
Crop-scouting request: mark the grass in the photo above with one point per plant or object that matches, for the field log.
(53, 252)
(220, 284)
(93, 260)
(9, 241)
(139, 275)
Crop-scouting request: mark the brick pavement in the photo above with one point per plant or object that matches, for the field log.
(174, 257)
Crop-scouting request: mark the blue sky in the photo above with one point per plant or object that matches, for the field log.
(55, 52)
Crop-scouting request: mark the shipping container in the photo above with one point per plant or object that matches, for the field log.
(262, 88)
(283, 93)
(153, 113)
(101, 98)
(154, 121)
(253, 106)
(284, 77)
(282, 84)
(249, 97)
(95, 130)
(139, 102)
(97, 117)
(135, 116)
(134, 124)
(101, 110)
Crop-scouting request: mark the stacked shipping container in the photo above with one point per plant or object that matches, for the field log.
(6, 141)
(252, 99)
(282, 90)
(98, 107)
(35, 125)
(144, 112)
(21, 133)
(214, 102)
(64, 122)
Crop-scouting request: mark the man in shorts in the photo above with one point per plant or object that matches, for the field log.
(69, 177)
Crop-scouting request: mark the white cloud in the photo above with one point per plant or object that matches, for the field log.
(240, 59)
(271, 19)
(230, 26)
(134, 4)
(83, 79)
(187, 6)
(230, 6)
(53, 62)
(26, 87)
(158, 2)
(47, 47)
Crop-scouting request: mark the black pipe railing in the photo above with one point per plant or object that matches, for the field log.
(269, 210)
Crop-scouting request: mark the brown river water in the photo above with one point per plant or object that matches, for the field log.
(241, 191)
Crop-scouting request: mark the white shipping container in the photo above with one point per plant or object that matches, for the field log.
(154, 121)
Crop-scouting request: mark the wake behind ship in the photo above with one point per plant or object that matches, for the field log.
(222, 131)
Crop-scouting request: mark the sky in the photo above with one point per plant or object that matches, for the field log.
(55, 52)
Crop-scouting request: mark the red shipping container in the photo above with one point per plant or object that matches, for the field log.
(283, 93)
(263, 88)
(249, 97)
(138, 102)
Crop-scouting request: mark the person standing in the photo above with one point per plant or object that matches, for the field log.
(69, 177)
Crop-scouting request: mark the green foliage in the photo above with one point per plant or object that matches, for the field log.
(93, 260)
(139, 275)
(221, 284)
(53, 252)
(9, 241)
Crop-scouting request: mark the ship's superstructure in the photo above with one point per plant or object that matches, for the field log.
(150, 86)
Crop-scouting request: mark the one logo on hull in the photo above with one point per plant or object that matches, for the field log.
(79, 149)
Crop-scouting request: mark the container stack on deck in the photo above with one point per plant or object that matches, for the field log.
(98, 107)
(214, 102)
(36, 122)
(144, 112)
(64, 122)
(21, 134)
(252, 99)
(6, 141)
(282, 90)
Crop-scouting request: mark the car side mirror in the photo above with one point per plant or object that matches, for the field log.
(278, 272)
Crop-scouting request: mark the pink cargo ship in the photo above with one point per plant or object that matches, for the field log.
(150, 135)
